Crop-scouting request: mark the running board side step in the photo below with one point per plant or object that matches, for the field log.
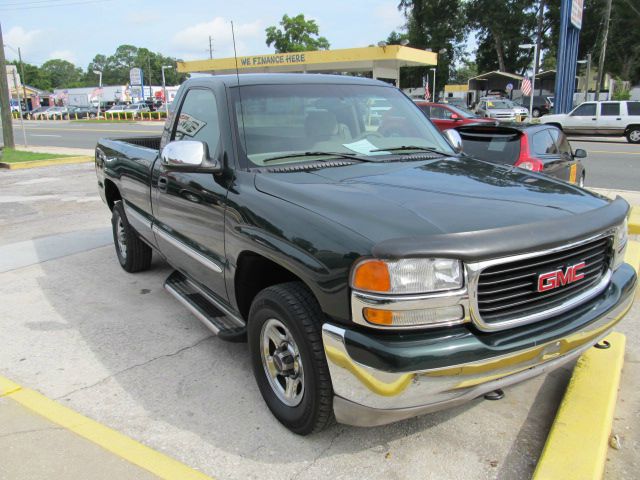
(205, 307)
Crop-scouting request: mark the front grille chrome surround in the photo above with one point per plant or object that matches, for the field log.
(594, 284)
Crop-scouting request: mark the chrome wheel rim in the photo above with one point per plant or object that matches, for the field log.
(581, 183)
(635, 135)
(121, 237)
(282, 362)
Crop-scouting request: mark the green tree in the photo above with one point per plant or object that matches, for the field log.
(462, 74)
(61, 73)
(438, 25)
(296, 35)
(502, 25)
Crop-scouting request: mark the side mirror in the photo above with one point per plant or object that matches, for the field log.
(455, 116)
(189, 156)
(454, 139)
(579, 153)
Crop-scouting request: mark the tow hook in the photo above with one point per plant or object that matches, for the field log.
(497, 394)
(603, 345)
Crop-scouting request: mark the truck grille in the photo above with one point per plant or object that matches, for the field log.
(510, 290)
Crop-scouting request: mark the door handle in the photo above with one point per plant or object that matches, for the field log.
(619, 118)
(593, 119)
(162, 183)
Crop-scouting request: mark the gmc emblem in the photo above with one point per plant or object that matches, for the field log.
(559, 278)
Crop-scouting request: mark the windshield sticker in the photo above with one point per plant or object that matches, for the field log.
(363, 147)
(188, 125)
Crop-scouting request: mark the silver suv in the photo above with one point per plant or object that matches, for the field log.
(608, 118)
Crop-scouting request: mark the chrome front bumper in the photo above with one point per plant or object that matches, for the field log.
(367, 396)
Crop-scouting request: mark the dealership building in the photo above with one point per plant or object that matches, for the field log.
(382, 62)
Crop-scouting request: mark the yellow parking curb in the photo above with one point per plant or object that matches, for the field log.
(634, 221)
(576, 447)
(47, 163)
(115, 442)
(632, 255)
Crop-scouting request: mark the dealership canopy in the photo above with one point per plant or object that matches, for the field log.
(383, 62)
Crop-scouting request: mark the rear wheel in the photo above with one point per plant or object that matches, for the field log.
(633, 134)
(581, 181)
(288, 359)
(133, 254)
(536, 113)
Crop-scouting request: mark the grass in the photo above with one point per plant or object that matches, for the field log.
(15, 156)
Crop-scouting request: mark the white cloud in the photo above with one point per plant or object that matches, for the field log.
(67, 55)
(193, 41)
(18, 37)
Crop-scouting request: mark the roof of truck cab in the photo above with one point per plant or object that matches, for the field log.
(246, 79)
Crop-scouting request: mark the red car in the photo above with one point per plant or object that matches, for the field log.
(449, 116)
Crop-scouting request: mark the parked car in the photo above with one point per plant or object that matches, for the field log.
(48, 113)
(34, 112)
(81, 112)
(445, 116)
(501, 109)
(117, 108)
(370, 270)
(607, 118)
(539, 148)
(542, 105)
(135, 109)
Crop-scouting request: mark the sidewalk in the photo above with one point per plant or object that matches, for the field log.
(630, 196)
(60, 453)
(60, 150)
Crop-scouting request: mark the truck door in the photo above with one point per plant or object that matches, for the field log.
(189, 207)
(582, 120)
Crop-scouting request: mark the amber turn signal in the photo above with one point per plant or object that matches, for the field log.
(378, 317)
(372, 276)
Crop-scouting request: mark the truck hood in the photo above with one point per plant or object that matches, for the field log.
(451, 195)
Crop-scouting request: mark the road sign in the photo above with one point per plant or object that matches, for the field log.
(576, 13)
(135, 76)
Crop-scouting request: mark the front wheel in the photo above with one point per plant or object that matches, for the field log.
(133, 254)
(536, 113)
(581, 181)
(288, 359)
(633, 135)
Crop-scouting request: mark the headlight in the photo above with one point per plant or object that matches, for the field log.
(406, 276)
(619, 244)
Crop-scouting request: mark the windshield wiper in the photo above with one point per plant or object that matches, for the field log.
(409, 147)
(318, 154)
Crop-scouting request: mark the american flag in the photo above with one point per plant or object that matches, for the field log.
(526, 86)
(427, 93)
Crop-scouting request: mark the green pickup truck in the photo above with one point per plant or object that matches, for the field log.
(375, 272)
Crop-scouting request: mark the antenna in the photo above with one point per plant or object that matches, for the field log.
(235, 56)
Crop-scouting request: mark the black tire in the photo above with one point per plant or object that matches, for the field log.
(295, 307)
(134, 255)
(536, 113)
(92, 115)
(633, 134)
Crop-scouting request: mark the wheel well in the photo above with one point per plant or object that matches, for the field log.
(111, 193)
(254, 273)
(557, 125)
(630, 127)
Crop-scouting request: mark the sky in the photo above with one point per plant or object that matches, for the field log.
(77, 30)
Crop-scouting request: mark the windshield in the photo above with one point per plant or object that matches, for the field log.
(499, 104)
(285, 120)
(464, 113)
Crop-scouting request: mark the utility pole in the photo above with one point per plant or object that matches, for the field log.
(7, 128)
(15, 86)
(150, 92)
(603, 50)
(210, 47)
(586, 91)
(536, 60)
(24, 88)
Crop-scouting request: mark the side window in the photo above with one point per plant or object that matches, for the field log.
(561, 141)
(426, 109)
(585, 110)
(543, 143)
(633, 108)
(437, 112)
(610, 109)
(198, 119)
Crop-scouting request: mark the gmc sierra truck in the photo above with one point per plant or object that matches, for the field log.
(375, 271)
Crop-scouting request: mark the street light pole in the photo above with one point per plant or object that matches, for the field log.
(99, 73)
(15, 86)
(433, 93)
(5, 105)
(164, 88)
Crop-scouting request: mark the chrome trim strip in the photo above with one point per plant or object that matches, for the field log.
(207, 262)
(192, 309)
(474, 270)
(132, 213)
